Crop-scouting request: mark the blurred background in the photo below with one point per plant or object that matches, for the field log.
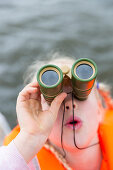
(31, 29)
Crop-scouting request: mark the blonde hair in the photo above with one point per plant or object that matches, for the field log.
(56, 58)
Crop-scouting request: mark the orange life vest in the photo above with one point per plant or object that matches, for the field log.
(106, 140)
(48, 161)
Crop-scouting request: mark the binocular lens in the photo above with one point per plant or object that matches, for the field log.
(50, 77)
(84, 71)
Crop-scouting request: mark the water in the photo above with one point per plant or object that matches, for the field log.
(32, 29)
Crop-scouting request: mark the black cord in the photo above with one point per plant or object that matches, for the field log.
(62, 131)
(74, 130)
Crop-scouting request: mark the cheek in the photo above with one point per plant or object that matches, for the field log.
(55, 135)
(94, 119)
(92, 114)
(93, 125)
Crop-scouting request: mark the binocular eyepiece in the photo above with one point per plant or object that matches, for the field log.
(83, 75)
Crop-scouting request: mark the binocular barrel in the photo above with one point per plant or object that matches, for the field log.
(84, 72)
(50, 79)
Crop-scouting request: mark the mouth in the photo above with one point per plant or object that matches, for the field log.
(76, 123)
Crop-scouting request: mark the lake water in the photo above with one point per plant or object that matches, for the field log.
(34, 29)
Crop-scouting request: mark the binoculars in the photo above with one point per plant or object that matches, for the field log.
(83, 74)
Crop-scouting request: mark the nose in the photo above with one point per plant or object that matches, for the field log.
(68, 107)
(70, 103)
(67, 84)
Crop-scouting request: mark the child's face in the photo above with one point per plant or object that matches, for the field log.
(87, 115)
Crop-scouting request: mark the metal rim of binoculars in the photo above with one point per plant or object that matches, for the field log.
(50, 79)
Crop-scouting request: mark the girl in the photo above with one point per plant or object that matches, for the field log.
(55, 143)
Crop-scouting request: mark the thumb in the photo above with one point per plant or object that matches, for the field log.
(50, 115)
(56, 103)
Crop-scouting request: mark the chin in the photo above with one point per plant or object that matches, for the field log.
(81, 141)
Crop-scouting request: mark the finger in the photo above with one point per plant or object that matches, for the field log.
(33, 84)
(35, 96)
(56, 103)
(27, 92)
(44, 103)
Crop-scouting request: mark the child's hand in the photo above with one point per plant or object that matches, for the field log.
(35, 124)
